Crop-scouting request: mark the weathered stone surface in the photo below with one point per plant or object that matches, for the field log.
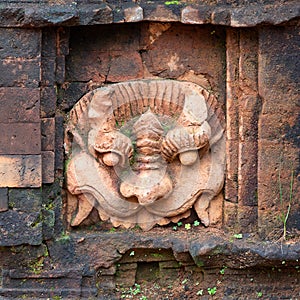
(20, 171)
(20, 72)
(19, 105)
(70, 93)
(48, 166)
(20, 138)
(171, 120)
(19, 228)
(49, 42)
(165, 57)
(67, 283)
(278, 155)
(48, 66)
(48, 134)
(70, 13)
(59, 143)
(48, 102)
(3, 199)
(21, 43)
(126, 67)
(25, 200)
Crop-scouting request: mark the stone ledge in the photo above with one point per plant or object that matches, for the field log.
(78, 12)
(206, 248)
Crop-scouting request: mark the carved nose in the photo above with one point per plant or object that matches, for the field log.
(146, 189)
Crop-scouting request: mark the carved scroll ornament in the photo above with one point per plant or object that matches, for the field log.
(144, 152)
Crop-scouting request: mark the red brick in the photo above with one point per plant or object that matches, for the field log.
(20, 171)
(48, 167)
(19, 105)
(48, 134)
(20, 72)
(20, 138)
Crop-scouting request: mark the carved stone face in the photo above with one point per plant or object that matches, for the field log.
(144, 152)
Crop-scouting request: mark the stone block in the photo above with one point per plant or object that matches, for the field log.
(128, 66)
(3, 199)
(111, 38)
(71, 93)
(48, 223)
(133, 14)
(49, 42)
(25, 200)
(48, 134)
(167, 57)
(20, 138)
(191, 15)
(20, 170)
(20, 72)
(230, 215)
(275, 127)
(47, 166)
(20, 43)
(60, 69)
(50, 282)
(276, 163)
(162, 13)
(172, 264)
(48, 71)
(91, 14)
(48, 101)
(18, 228)
(231, 181)
(279, 69)
(247, 218)
(247, 178)
(19, 105)
(63, 41)
(59, 143)
(86, 66)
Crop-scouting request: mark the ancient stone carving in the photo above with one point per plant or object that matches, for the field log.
(144, 152)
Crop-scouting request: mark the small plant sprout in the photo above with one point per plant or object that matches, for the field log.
(172, 2)
(285, 212)
(184, 281)
(174, 228)
(199, 293)
(196, 223)
(238, 236)
(259, 294)
(187, 226)
(131, 253)
(212, 291)
(179, 224)
(222, 271)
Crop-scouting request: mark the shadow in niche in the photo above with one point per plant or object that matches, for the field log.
(147, 271)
